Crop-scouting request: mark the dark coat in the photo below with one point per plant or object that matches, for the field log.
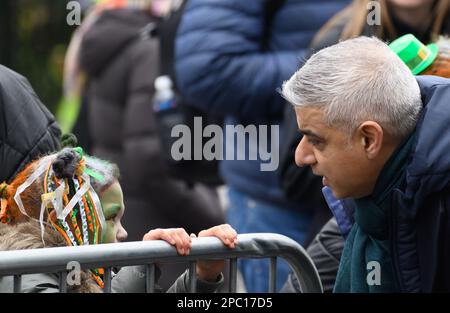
(420, 224)
(27, 129)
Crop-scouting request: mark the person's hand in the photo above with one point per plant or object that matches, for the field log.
(177, 237)
(209, 270)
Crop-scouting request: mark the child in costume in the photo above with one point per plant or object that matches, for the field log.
(71, 199)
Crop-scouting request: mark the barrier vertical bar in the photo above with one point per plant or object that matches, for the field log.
(273, 275)
(107, 280)
(233, 275)
(192, 277)
(150, 278)
(63, 282)
(17, 283)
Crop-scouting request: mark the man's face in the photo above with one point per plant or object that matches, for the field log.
(343, 164)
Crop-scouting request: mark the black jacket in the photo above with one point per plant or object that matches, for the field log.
(420, 224)
(27, 129)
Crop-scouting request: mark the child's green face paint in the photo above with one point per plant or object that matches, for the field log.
(113, 209)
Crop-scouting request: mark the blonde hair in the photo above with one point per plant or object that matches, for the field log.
(356, 16)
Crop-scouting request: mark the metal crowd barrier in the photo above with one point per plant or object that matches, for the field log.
(256, 245)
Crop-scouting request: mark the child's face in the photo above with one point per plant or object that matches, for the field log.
(113, 209)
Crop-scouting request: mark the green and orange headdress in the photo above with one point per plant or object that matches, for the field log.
(61, 191)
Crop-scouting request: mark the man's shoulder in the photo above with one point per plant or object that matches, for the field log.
(430, 84)
(434, 90)
(428, 81)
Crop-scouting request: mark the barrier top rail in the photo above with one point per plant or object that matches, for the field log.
(256, 245)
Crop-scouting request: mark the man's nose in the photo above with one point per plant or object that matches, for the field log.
(304, 154)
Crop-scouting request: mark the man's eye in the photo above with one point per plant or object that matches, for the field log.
(313, 142)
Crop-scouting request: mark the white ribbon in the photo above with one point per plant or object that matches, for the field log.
(44, 164)
(57, 195)
(98, 207)
(80, 193)
(77, 197)
(55, 198)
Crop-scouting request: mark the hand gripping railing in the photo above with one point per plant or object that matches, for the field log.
(257, 245)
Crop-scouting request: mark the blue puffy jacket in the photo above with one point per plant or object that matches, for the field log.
(222, 68)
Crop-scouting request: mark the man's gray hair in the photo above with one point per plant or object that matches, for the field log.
(357, 80)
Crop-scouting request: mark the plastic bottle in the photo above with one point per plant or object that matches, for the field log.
(164, 97)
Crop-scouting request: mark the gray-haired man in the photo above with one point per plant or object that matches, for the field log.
(380, 137)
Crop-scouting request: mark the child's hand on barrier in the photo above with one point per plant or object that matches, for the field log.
(177, 237)
(224, 232)
(210, 269)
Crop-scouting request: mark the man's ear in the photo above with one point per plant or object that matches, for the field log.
(371, 136)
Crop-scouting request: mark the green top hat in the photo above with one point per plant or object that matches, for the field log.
(415, 54)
